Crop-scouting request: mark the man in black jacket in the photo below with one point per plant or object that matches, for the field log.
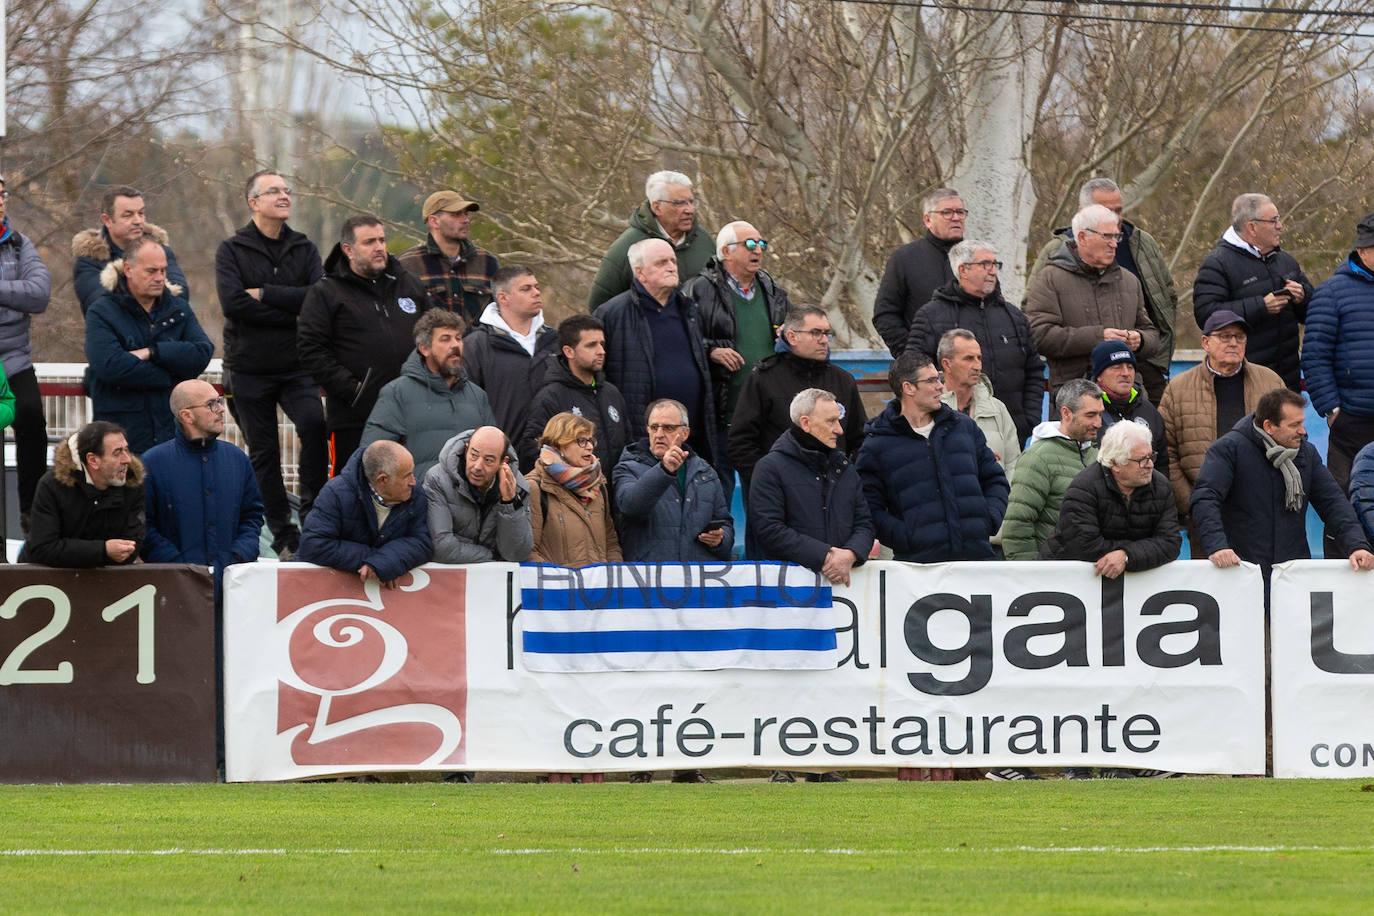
(262, 273)
(507, 351)
(1247, 273)
(575, 383)
(918, 268)
(88, 510)
(802, 361)
(1123, 398)
(741, 311)
(357, 328)
(973, 301)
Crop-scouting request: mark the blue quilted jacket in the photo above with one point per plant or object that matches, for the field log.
(1338, 348)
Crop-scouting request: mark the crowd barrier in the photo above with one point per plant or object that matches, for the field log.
(108, 675)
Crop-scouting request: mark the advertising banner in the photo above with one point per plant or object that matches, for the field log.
(1322, 639)
(964, 665)
(107, 675)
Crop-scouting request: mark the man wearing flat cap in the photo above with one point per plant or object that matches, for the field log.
(1124, 399)
(1338, 353)
(1201, 405)
(456, 273)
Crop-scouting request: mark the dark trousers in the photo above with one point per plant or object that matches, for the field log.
(1348, 435)
(725, 468)
(30, 435)
(1152, 380)
(342, 444)
(254, 403)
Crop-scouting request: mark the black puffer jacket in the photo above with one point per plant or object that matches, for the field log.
(1234, 279)
(914, 272)
(507, 372)
(764, 409)
(1095, 518)
(260, 334)
(601, 403)
(354, 334)
(711, 291)
(1010, 360)
(803, 501)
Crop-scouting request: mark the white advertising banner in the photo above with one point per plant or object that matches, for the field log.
(1322, 638)
(964, 665)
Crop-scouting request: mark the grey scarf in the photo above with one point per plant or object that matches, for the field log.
(1282, 458)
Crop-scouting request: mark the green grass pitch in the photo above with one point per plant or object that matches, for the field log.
(870, 845)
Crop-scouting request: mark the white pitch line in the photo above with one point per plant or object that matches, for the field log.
(206, 852)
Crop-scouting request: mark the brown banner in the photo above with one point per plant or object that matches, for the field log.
(107, 675)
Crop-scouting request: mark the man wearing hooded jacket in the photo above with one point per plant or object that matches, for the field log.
(262, 274)
(355, 329)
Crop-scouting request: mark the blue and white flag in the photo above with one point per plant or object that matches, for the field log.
(676, 617)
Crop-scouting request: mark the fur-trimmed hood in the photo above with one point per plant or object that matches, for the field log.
(68, 472)
(113, 272)
(95, 243)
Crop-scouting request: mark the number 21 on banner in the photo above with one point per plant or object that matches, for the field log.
(12, 670)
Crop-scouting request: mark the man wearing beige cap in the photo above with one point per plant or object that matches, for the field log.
(456, 273)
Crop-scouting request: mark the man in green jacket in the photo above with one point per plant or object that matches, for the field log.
(668, 212)
(1059, 450)
(1141, 255)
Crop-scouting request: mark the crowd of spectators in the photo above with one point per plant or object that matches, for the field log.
(459, 426)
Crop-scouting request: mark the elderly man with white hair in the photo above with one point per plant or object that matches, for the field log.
(1084, 297)
(1118, 514)
(668, 212)
(973, 301)
(741, 311)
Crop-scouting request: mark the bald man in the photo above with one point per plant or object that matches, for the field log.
(203, 502)
(370, 519)
(478, 500)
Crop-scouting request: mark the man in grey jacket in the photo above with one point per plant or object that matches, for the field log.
(433, 399)
(478, 501)
(24, 289)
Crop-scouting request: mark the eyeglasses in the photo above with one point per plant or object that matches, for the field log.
(1147, 461)
(1109, 236)
(586, 441)
(754, 244)
(987, 265)
(950, 213)
(214, 404)
(1228, 339)
(818, 333)
(666, 427)
(685, 202)
(1275, 220)
(274, 192)
(935, 380)
(4, 195)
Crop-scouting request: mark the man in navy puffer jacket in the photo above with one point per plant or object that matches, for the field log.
(935, 489)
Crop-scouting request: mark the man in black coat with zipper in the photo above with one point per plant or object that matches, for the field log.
(918, 268)
(262, 274)
(357, 329)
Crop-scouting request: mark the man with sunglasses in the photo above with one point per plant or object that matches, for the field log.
(917, 269)
(1083, 298)
(1250, 275)
(741, 311)
(202, 498)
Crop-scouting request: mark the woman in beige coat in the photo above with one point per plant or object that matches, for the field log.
(570, 512)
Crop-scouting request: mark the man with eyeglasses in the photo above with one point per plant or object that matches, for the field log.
(262, 274)
(141, 339)
(1203, 404)
(917, 269)
(455, 272)
(202, 499)
(123, 218)
(1250, 275)
(668, 212)
(973, 301)
(1083, 298)
(935, 490)
(1139, 253)
(741, 311)
(1123, 399)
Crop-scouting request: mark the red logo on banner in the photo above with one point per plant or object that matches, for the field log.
(378, 676)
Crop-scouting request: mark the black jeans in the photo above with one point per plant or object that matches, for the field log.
(30, 435)
(254, 404)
